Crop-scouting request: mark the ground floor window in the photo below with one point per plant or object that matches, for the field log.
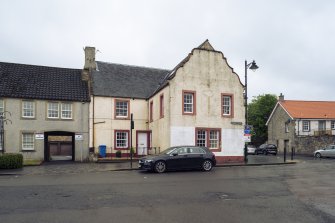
(27, 141)
(208, 137)
(121, 139)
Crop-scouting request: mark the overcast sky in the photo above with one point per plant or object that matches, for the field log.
(293, 42)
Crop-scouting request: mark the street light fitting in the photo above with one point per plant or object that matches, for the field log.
(253, 66)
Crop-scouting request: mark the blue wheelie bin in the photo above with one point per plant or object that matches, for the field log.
(102, 151)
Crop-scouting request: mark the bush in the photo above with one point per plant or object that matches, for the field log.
(11, 161)
(118, 153)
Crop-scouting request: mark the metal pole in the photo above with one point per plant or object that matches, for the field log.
(2, 135)
(131, 140)
(246, 109)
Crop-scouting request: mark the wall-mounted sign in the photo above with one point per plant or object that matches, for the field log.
(39, 135)
(79, 137)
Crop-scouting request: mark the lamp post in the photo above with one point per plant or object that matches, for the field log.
(252, 66)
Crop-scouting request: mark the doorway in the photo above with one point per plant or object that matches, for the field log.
(142, 142)
(59, 146)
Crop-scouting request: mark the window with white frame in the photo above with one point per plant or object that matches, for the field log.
(121, 139)
(188, 102)
(121, 109)
(27, 141)
(305, 126)
(208, 137)
(201, 138)
(226, 105)
(66, 110)
(53, 110)
(28, 109)
(213, 139)
(332, 125)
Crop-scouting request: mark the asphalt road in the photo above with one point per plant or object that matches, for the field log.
(285, 193)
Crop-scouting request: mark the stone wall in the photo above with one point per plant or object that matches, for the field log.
(307, 145)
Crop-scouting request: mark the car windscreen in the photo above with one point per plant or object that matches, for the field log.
(168, 151)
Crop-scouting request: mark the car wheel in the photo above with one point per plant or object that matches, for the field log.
(207, 165)
(318, 155)
(160, 167)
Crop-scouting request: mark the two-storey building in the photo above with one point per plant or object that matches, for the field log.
(199, 102)
(302, 125)
(46, 110)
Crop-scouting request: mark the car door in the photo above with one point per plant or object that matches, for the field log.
(195, 157)
(176, 160)
(332, 151)
(327, 151)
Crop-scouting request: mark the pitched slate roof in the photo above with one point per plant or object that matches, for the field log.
(309, 109)
(41, 82)
(117, 80)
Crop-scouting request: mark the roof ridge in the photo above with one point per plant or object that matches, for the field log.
(34, 65)
(306, 101)
(128, 65)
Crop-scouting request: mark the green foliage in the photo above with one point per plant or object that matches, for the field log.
(11, 161)
(118, 153)
(259, 110)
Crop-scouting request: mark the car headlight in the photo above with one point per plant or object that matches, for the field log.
(147, 161)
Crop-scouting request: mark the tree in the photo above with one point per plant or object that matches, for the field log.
(259, 111)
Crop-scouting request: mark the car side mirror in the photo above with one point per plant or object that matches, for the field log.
(174, 154)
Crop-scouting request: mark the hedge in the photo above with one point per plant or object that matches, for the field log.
(11, 161)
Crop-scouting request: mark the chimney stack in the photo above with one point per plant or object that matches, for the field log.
(89, 58)
(281, 97)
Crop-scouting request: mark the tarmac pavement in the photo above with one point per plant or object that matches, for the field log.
(69, 167)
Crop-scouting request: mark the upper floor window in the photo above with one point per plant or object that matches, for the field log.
(227, 105)
(28, 109)
(151, 112)
(53, 110)
(286, 127)
(121, 109)
(27, 141)
(66, 110)
(189, 103)
(305, 126)
(2, 106)
(57, 110)
(322, 125)
(332, 125)
(161, 106)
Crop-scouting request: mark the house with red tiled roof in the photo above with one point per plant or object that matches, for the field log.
(301, 125)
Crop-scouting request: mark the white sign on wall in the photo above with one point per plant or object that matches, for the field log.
(39, 136)
(79, 137)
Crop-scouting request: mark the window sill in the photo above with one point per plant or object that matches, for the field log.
(28, 150)
(121, 148)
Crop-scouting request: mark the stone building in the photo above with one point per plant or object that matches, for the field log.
(47, 111)
(302, 125)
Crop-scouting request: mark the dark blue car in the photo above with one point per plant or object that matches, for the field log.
(179, 158)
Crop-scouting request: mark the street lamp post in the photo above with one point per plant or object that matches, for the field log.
(252, 66)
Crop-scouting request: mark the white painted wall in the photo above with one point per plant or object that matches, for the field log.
(182, 136)
(314, 126)
(232, 143)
